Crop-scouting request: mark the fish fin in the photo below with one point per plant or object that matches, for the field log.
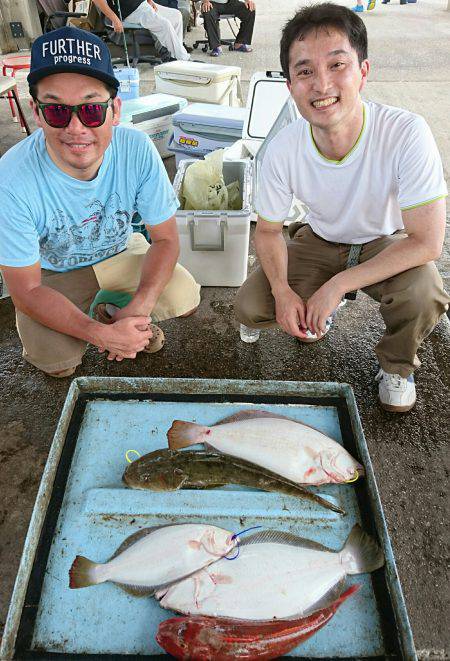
(249, 414)
(327, 599)
(366, 556)
(132, 539)
(81, 573)
(281, 537)
(137, 590)
(183, 434)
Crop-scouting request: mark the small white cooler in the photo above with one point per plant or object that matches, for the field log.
(200, 81)
(214, 244)
(153, 115)
(204, 127)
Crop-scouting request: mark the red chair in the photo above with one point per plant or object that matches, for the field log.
(13, 63)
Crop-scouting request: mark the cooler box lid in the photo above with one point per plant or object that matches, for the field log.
(266, 97)
(270, 108)
(195, 72)
(211, 115)
(151, 107)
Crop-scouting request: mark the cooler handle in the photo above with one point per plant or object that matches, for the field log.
(220, 246)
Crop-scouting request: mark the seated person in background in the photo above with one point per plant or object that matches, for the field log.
(69, 192)
(245, 11)
(183, 6)
(164, 23)
(372, 179)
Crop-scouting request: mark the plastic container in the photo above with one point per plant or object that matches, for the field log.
(129, 82)
(200, 81)
(150, 107)
(214, 244)
(153, 115)
(204, 127)
(159, 131)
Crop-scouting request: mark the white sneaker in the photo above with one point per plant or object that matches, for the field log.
(396, 393)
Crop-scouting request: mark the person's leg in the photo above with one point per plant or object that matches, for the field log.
(184, 6)
(52, 352)
(411, 304)
(311, 262)
(211, 24)
(246, 18)
(180, 297)
(165, 24)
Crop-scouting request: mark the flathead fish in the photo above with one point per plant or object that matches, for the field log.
(276, 575)
(153, 557)
(200, 638)
(168, 470)
(284, 446)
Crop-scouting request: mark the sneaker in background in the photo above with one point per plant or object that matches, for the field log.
(396, 394)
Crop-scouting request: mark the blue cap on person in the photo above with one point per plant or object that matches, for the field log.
(71, 50)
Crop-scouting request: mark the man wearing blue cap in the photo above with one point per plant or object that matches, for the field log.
(69, 192)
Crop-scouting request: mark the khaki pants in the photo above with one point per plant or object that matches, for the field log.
(411, 302)
(51, 351)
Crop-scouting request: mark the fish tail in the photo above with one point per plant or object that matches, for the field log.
(82, 573)
(363, 553)
(183, 434)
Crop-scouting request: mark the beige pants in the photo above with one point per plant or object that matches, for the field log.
(411, 302)
(51, 351)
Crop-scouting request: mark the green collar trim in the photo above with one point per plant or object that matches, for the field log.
(344, 158)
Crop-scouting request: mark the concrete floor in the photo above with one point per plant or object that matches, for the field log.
(409, 69)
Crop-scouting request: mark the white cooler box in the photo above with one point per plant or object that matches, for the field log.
(200, 81)
(153, 115)
(204, 127)
(270, 108)
(214, 244)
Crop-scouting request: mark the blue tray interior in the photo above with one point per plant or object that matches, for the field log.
(98, 512)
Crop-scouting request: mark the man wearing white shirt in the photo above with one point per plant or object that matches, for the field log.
(372, 179)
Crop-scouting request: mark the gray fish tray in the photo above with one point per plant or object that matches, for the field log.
(83, 508)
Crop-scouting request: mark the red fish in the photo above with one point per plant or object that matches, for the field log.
(200, 638)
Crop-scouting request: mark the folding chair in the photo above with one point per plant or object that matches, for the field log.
(132, 29)
(8, 87)
(224, 42)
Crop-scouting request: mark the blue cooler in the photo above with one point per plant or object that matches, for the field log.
(129, 82)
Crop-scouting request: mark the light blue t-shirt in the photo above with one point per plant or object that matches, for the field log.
(65, 223)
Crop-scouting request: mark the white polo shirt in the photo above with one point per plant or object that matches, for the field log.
(394, 166)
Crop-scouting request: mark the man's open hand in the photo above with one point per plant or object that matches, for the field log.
(320, 306)
(206, 6)
(125, 338)
(250, 5)
(290, 312)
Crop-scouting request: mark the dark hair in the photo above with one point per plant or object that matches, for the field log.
(325, 15)
(33, 91)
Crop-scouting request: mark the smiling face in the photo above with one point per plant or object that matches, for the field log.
(77, 150)
(326, 79)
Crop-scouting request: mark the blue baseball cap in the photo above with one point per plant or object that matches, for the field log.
(71, 50)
